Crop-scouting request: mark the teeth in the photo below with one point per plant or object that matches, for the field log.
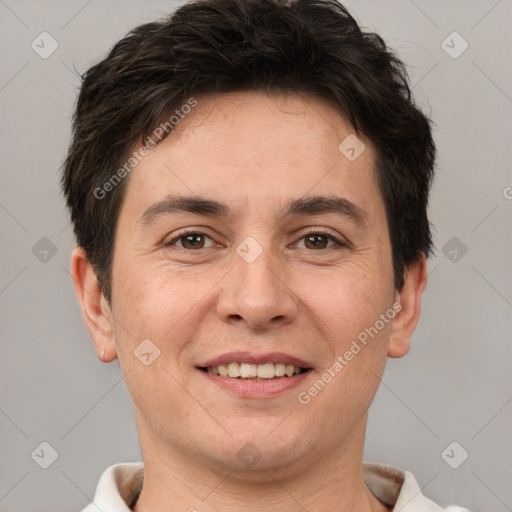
(233, 370)
(266, 371)
(280, 369)
(254, 371)
(248, 371)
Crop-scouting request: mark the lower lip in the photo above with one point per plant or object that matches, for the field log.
(257, 388)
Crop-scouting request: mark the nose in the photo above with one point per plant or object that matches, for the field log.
(258, 293)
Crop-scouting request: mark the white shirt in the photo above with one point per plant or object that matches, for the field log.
(120, 485)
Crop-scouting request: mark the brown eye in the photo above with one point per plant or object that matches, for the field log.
(318, 240)
(191, 241)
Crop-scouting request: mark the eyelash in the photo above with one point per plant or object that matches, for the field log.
(309, 233)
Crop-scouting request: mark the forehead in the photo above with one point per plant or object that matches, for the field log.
(252, 149)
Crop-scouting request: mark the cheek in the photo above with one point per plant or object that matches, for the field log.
(150, 334)
(354, 312)
(144, 310)
(160, 304)
(356, 343)
(147, 300)
(353, 297)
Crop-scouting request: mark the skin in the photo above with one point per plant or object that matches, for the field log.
(254, 152)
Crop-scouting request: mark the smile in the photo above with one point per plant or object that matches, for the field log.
(255, 372)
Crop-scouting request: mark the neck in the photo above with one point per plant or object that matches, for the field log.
(324, 481)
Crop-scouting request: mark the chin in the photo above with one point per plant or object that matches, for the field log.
(259, 448)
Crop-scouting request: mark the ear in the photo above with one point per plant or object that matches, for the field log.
(95, 309)
(407, 318)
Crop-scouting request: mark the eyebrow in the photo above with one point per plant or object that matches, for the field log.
(313, 205)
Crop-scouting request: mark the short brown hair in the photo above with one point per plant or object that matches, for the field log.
(212, 46)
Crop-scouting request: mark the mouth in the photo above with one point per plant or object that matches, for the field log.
(255, 372)
(256, 376)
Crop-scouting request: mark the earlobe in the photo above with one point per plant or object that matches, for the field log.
(407, 318)
(95, 309)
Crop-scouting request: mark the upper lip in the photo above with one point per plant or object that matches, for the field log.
(252, 358)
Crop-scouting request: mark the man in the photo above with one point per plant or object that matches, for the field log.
(248, 182)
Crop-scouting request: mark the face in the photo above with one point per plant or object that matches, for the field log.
(262, 273)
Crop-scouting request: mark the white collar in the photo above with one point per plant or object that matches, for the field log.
(120, 485)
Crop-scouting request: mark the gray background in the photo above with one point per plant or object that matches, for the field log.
(455, 383)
